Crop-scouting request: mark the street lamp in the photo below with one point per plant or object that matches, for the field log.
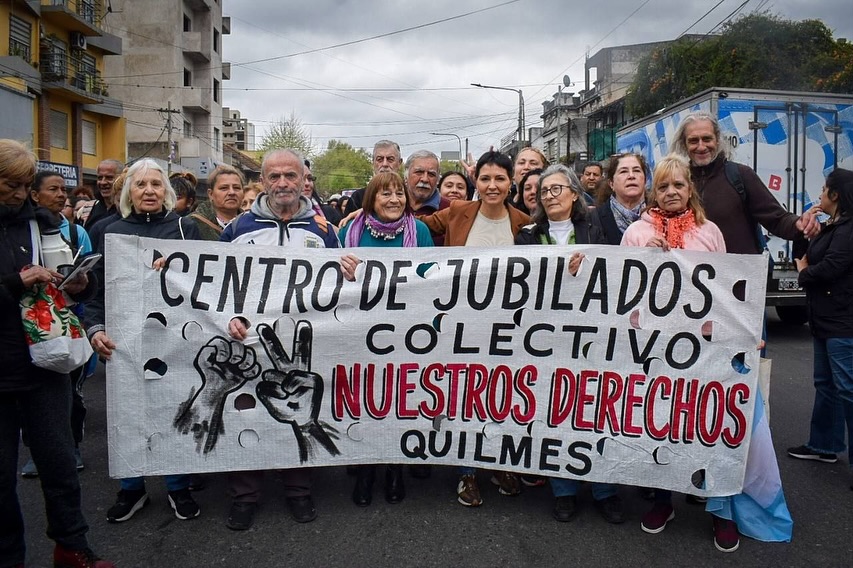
(461, 157)
(567, 82)
(520, 108)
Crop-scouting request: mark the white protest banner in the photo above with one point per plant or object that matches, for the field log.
(639, 370)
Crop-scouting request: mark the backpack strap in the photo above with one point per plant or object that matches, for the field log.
(35, 242)
(207, 222)
(734, 178)
(73, 238)
(181, 227)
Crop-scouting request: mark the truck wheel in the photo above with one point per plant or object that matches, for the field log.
(794, 315)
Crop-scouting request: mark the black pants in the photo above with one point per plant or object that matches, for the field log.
(44, 413)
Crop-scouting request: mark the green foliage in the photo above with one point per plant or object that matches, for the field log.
(288, 133)
(450, 166)
(341, 167)
(757, 51)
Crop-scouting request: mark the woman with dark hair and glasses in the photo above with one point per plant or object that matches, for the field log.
(624, 197)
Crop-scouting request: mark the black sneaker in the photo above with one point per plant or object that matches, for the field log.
(128, 502)
(241, 516)
(302, 509)
(611, 509)
(565, 508)
(183, 504)
(804, 453)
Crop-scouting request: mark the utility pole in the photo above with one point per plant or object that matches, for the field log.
(169, 112)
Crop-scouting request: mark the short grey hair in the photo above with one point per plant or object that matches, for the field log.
(278, 152)
(578, 209)
(387, 144)
(118, 165)
(419, 155)
(679, 139)
(141, 167)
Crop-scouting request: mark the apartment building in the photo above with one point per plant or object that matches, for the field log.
(170, 78)
(52, 90)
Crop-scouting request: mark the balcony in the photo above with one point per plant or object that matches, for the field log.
(63, 74)
(226, 71)
(200, 5)
(82, 16)
(109, 44)
(193, 47)
(196, 100)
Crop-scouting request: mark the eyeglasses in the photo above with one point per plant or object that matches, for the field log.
(555, 190)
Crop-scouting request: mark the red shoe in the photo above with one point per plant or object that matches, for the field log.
(67, 558)
(726, 537)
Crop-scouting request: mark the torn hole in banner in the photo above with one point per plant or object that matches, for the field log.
(436, 321)
(538, 429)
(153, 319)
(427, 269)
(653, 366)
(154, 441)
(154, 369)
(516, 317)
(355, 432)
(248, 438)
(739, 290)
(709, 328)
(621, 450)
(636, 319)
(345, 313)
(436, 422)
(702, 479)
(192, 331)
(244, 401)
(148, 257)
(493, 430)
(739, 363)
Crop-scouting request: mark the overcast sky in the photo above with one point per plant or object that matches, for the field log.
(409, 84)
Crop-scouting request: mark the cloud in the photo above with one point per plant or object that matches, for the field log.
(407, 85)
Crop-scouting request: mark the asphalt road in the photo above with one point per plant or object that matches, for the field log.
(430, 529)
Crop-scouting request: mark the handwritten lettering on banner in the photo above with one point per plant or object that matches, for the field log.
(639, 370)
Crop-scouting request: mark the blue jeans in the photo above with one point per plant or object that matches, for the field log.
(563, 487)
(833, 401)
(44, 413)
(173, 483)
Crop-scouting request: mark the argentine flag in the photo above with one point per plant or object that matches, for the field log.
(760, 510)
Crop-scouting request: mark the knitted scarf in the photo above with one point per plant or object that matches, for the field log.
(380, 230)
(673, 226)
(623, 215)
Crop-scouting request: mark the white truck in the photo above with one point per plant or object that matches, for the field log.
(792, 140)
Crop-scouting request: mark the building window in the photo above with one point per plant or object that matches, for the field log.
(188, 24)
(20, 33)
(188, 129)
(86, 73)
(58, 129)
(54, 66)
(215, 40)
(86, 9)
(215, 91)
(90, 138)
(188, 78)
(216, 139)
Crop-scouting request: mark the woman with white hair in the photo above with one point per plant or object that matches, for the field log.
(146, 207)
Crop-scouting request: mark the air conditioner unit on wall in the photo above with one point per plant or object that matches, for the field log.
(78, 41)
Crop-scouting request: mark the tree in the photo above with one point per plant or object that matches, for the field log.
(288, 133)
(341, 167)
(758, 51)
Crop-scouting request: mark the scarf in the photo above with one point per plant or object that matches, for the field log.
(383, 231)
(673, 226)
(623, 215)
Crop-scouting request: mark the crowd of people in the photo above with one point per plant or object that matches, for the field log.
(687, 202)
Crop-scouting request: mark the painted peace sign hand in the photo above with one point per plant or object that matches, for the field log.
(291, 393)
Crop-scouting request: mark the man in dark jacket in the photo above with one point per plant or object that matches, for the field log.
(108, 170)
(698, 139)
